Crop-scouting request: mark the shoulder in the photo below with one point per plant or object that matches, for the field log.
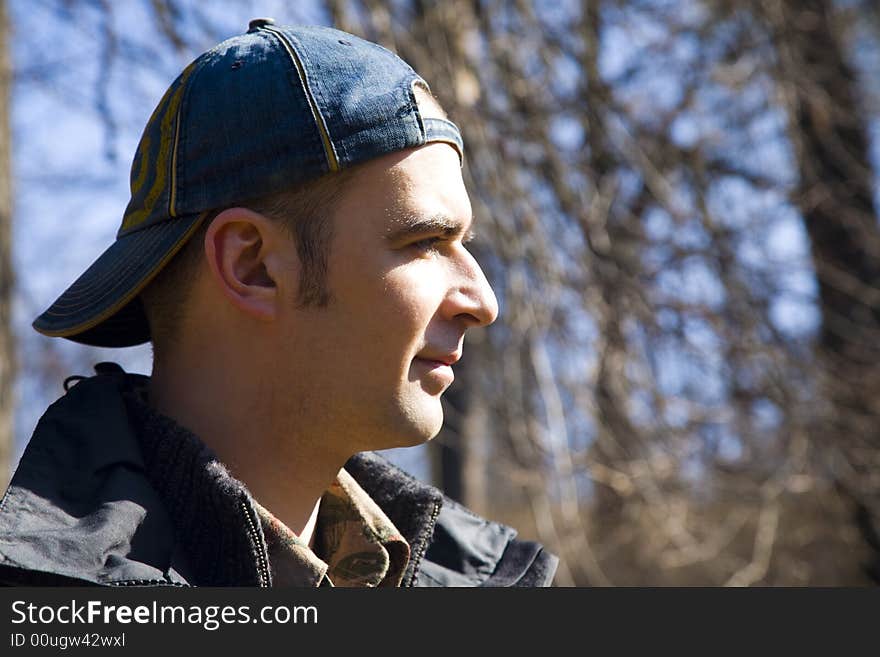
(79, 507)
(468, 550)
(450, 544)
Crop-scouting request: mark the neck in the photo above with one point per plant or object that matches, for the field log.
(284, 462)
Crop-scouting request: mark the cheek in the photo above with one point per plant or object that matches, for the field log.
(414, 294)
(385, 306)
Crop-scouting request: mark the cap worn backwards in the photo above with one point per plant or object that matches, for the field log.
(258, 113)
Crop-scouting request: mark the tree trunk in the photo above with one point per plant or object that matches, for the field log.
(835, 196)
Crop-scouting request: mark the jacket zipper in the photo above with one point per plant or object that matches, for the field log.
(429, 530)
(148, 582)
(262, 559)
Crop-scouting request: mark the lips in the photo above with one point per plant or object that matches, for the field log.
(435, 363)
(441, 359)
(438, 366)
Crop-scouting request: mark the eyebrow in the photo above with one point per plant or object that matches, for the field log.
(414, 225)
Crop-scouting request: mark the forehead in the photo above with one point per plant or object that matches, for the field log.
(416, 182)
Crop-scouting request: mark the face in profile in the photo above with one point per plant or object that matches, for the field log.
(373, 364)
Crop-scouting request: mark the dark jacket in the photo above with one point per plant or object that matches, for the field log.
(105, 496)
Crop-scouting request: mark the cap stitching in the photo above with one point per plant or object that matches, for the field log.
(172, 197)
(133, 292)
(181, 135)
(329, 152)
(115, 275)
(71, 297)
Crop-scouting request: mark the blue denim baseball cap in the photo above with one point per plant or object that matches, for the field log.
(259, 113)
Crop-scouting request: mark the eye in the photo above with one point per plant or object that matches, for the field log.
(427, 244)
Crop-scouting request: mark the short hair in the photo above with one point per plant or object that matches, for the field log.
(304, 211)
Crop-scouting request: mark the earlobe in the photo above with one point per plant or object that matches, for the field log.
(236, 249)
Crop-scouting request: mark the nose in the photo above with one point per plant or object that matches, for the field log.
(471, 298)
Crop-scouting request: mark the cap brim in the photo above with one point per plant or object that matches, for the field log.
(102, 307)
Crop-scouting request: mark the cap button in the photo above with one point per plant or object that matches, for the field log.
(257, 23)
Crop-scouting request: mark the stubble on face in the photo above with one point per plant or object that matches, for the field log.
(360, 362)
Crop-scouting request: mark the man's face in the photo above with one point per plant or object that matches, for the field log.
(369, 368)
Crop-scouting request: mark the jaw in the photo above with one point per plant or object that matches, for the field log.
(414, 418)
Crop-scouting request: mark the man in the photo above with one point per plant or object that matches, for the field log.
(294, 247)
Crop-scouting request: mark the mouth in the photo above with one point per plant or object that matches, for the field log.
(436, 369)
(442, 359)
(433, 363)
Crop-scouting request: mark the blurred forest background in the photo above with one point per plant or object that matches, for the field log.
(676, 202)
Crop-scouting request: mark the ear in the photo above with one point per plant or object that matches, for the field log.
(239, 246)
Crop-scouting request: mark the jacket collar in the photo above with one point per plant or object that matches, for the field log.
(412, 506)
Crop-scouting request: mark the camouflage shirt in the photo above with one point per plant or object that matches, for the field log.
(355, 544)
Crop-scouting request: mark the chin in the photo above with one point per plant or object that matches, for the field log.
(416, 437)
(415, 429)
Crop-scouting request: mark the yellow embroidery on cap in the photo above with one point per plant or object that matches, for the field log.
(142, 161)
(168, 109)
